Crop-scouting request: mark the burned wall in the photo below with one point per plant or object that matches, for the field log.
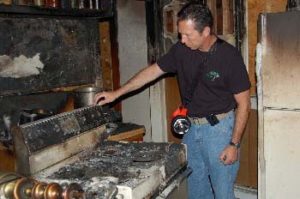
(38, 54)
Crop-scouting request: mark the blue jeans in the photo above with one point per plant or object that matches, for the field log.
(210, 179)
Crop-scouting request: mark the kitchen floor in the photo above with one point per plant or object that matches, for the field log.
(245, 193)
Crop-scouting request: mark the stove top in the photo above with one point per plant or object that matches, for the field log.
(103, 171)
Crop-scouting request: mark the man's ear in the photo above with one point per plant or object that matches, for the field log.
(206, 31)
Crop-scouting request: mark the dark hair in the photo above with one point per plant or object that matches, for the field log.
(197, 12)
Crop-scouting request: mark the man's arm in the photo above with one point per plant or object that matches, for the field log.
(143, 77)
(230, 153)
(241, 115)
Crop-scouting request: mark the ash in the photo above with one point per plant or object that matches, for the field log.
(99, 171)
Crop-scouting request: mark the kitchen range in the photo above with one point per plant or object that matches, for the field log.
(68, 153)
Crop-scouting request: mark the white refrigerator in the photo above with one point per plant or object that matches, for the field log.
(278, 91)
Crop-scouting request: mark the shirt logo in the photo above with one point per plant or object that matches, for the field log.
(212, 75)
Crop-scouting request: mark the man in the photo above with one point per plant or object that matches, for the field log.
(214, 87)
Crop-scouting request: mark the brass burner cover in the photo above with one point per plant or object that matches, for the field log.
(23, 188)
(7, 184)
(53, 191)
(38, 190)
(7, 189)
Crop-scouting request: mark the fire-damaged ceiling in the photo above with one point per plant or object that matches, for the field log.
(38, 54)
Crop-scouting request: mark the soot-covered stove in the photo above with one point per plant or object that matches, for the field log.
(70, 148)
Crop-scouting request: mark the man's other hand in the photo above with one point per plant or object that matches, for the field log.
(105, 97)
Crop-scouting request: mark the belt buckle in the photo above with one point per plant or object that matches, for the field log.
(212, 119)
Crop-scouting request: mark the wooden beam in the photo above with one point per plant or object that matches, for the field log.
(228, 22)
(105, 56)
(132, 135)
(212, 4)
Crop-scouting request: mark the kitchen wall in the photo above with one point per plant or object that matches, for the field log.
(132, 42)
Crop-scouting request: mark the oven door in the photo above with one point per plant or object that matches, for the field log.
(177, 189)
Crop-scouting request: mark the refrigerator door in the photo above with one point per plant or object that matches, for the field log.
(280, 59)
(282, 156)
(278, 91)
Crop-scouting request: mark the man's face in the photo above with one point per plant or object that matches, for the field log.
(189, 35)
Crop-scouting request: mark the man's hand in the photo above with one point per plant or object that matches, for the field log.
(143, 77)
(105, 97)
(229, 155)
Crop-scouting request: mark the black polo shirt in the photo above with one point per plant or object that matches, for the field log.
(207, 80)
